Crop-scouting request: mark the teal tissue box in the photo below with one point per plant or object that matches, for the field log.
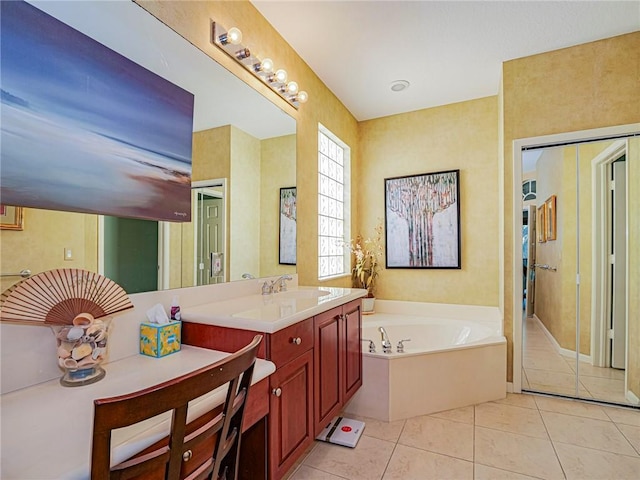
(160, 340)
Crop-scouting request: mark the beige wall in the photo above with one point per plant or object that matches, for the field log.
(244, 198)
(277, 170)
(579, 88)
(40, 245)
(458, 136)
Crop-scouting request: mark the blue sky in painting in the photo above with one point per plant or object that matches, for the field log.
(57, 69)
(86, 129)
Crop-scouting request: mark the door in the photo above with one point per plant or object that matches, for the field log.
(131, 253)
(210, 257)
(618, 318)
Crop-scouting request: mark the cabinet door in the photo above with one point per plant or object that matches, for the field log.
(353, 349)
(328, 362)
(291, 413)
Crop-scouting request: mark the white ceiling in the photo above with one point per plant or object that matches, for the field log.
(449, 51)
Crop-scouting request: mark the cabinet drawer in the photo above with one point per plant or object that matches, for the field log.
(291, 342)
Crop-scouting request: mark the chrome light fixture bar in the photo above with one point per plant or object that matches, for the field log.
(230, 41)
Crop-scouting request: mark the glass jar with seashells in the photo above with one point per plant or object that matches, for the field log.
(82, 346)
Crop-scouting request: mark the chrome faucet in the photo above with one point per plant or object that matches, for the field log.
(248, 275)
(386, 344)
(279, 285)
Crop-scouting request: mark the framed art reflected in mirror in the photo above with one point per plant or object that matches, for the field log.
(288, 197)
(550, 225)
(11, 218)
(541, 226)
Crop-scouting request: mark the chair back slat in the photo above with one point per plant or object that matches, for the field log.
(236, 371)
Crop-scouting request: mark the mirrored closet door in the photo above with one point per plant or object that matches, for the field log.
(580, 241)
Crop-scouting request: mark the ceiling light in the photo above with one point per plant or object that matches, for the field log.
(399, 85)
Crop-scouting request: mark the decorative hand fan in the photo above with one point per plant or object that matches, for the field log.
(55, 297)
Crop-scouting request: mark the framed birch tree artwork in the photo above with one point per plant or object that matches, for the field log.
(288, 226)
(422, 220)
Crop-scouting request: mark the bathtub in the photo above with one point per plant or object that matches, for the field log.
(456, 356)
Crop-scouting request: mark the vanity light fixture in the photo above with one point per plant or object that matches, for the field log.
(230, 41)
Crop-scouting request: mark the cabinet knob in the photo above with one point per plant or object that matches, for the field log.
(277, 391)
(186, 456)
(296, 340)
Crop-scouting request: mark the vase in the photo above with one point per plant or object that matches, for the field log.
(82, 347)
(368, 304)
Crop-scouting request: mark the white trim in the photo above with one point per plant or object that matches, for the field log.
(632, 398)
(565, 352)
(164, 252)
(510, 388)
(599, 264)
(516, 199)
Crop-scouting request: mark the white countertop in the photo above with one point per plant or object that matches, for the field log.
(270, 313)
(47, 428)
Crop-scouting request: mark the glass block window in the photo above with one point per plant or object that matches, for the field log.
(333, 205)
(529, 190)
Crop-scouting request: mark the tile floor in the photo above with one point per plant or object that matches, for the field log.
(545, 370)
(520, 437)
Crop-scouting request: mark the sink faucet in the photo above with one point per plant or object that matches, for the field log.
(386, 344)
(247, 275)
(279, 285)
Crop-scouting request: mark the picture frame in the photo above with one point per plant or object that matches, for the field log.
(550, 218)
(11, 218)
(287, 228)
(422, 221)
(541, 226)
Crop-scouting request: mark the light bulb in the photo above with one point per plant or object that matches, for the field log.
(302, 97)
(292, 88)
(234, 36)
(281, 75)
(266, 65)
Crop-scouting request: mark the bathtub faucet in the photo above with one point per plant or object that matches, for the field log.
(386, 344)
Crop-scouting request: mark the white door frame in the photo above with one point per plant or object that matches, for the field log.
(600, 218)
(516, 234)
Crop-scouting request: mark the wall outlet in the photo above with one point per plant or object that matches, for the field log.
(68, 254)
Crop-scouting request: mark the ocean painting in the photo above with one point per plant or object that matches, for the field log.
(85, 129)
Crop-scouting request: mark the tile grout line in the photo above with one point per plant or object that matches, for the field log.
(553, 446)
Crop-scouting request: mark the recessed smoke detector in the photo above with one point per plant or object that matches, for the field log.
(399, 85)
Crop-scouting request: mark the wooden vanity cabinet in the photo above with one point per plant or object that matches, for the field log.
(291, 401)
(337, 361)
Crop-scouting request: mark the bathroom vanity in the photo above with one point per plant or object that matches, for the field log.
(312, 335)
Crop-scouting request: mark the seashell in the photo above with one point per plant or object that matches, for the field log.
(94, 329)
(75, 333)
(83, 320)
(96, 353)
(61, 362)
(86, 339)
(70, 363)
(86, 362)
(63, 352)
(81, 351)
(102, 343)
(62, 333)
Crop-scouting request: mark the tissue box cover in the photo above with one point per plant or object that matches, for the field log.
(160, 340)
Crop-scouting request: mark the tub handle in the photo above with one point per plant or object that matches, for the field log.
(372, 346)
(400, 347)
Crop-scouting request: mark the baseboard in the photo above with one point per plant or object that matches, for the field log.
(632, 397)
(565, 352)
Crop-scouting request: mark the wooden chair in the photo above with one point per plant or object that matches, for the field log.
(219, 435)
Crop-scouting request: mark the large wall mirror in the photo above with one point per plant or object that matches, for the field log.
(244, 151)
(581, 269)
